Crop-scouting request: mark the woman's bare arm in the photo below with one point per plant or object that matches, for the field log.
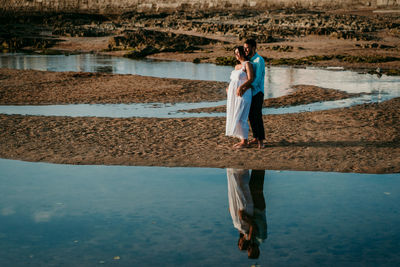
(250, 78)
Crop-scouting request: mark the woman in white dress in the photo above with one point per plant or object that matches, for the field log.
(241, 204)
(239, 99)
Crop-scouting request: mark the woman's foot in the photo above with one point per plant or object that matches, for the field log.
(253, 141)
(240, 145)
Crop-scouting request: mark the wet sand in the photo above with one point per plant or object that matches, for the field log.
(364, 138)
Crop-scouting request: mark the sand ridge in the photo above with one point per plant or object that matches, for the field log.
(364, 138)
(33, 87)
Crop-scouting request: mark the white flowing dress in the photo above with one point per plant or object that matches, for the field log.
(239, 196)
(237, 108)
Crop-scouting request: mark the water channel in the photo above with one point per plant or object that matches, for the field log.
(278, 82)
(68, 215)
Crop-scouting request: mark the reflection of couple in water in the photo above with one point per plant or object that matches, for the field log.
(247, 208)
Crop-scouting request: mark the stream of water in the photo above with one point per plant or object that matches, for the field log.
(278, 82)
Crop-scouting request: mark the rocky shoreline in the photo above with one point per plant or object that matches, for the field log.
(352, 39)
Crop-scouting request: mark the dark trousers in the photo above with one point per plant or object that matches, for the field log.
(257, 188)
(255, 116)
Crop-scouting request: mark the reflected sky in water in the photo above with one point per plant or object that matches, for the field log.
(153, 216)
(176, 110)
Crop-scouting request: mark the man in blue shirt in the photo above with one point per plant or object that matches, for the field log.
(257, 88)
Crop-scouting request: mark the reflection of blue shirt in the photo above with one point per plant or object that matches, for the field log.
(259, 74)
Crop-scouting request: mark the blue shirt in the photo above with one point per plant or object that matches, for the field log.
(259, 74)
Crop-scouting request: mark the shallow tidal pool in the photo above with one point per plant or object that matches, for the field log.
(69, 215)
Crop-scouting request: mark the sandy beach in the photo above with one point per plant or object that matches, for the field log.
(363, 138)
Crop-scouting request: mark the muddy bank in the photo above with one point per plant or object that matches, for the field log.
(363, 139)
(31, 87)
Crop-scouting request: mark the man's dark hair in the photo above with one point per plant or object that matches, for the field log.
(251, 42)
(253, 251)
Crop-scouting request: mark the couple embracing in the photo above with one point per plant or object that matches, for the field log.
(245, 96)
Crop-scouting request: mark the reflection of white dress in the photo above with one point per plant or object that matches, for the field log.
(239, 196)
(237, 108)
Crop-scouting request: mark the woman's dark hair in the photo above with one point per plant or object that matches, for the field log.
(243, 244)
(241, 51)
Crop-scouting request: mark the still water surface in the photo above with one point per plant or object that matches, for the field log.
(66, 215)
(278, 82)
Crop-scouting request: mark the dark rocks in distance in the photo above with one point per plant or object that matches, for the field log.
(15, 37)
(146, 42)
(226, 61)
(131, 30)
(85, 30)
(268, 27)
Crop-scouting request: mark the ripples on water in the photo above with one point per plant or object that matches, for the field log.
(278, 82)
